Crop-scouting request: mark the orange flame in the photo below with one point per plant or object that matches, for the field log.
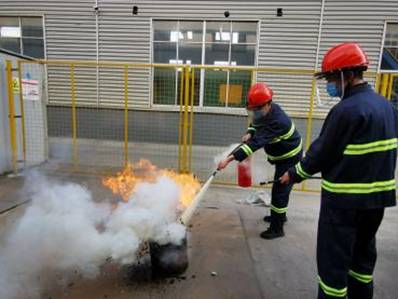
(125, 181)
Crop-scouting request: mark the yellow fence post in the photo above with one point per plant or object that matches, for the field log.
(190, 139)
(126, 115)
(253, 81)
(308, 136)
(384, 84)
(186, 120)
(74, 118)
(22, 111)
(390, 85)
(377, 82)
(393, 78)
(181, 120)
(11, 116)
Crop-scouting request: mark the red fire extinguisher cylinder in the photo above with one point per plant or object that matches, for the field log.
(245, 173)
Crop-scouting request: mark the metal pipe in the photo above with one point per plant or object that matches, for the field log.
(126, 115)
(74, 117)
(319, 34)
(190, 139)
(96, 8)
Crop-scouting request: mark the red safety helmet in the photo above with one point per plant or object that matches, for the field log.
(259, 95)
(342, 57)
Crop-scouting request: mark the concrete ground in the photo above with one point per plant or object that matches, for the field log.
(223, 239)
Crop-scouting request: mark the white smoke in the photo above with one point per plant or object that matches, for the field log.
(225, 153)
(64, 229)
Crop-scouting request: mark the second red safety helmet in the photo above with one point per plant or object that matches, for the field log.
(259, 94)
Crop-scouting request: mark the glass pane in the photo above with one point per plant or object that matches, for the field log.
(389, 59)
(165, 31)
(215, 88)
(164, 52)
(33, 47)
(190, 53)
(243, 54)
(10, 44)
(32, 27)
(9, 21)
(391, 35)
(9, 27)
(244, 32)
(164, 86)
(216, 53)
(218, 32)
(239, 84)
(191, 31)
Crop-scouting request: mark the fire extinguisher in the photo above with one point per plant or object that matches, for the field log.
(245, 173)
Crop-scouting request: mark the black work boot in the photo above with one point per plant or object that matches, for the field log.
(268, 218)
(275, 230)
(272, 233)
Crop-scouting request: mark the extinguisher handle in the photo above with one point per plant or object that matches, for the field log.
(268, 182)
(275, 181)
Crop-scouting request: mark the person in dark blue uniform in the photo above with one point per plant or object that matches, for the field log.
(356, 154)
(272, 130)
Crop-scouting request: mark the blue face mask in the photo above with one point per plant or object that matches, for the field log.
(333, 90)
(257, 115)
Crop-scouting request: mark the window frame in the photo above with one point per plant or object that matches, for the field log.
(201, 107)
(44, 37)
(383, 45)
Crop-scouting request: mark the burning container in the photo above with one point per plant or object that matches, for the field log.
(168, 259)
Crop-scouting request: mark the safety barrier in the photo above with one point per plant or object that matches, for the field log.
(99, 116)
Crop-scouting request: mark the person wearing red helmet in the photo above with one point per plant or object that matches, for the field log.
(274, 131)
(356, 154)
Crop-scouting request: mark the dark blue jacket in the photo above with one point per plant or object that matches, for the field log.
(276, 133)
(355, 152)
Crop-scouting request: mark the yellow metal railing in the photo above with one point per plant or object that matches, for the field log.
(185, 77)
(186, 98)
(22, 108)
(385, 84)
(11, 116)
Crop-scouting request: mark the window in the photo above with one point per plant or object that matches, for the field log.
(390, 57)
(390, 51)
(22, 35)
(204, 43)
